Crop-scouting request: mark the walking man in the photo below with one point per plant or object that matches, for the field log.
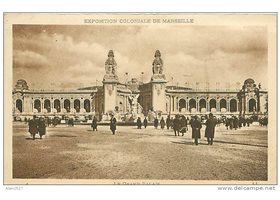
(139, 123)
(162, 123)
(176, 125)
(168, 122)
(210, 129)
(41, 127)
(113, 124)
(145, 122)
(156, 123)
(94, 124)
(33, 127)
(196, 126)
(184, 125)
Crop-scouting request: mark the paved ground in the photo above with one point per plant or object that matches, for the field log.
(78, 153)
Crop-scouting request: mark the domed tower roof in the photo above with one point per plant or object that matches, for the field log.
(21, 84)
(249, 81)
(249, 84)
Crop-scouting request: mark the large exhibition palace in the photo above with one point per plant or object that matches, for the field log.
(135, 98)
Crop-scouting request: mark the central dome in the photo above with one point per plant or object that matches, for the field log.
(249, 80)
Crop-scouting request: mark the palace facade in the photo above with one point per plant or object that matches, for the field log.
(136, 98)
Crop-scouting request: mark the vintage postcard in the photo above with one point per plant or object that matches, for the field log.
(140, 98)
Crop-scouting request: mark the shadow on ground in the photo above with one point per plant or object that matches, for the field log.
(223, 142)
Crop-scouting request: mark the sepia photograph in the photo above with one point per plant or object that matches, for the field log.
(140, 98)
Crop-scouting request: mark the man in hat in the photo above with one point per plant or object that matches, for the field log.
(196, 126)
(145, 122)
(94, 123)
(33, 127)
(176, 125)
(168, 122)
(113, 124)
(156, 123)
(139, 123)
(41, 127)
(210, 129)
(162, 123)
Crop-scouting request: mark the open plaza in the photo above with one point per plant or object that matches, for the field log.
(68, 148)
(140, 154)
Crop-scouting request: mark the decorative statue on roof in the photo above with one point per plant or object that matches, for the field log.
(110, 64)
(110, 68)
(157, 63)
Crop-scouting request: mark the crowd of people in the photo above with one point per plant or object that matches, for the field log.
(179, 124)
(37, 126)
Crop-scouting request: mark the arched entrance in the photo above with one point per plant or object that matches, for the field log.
(77, 105)
(202, 104)
(182, 105)
(47, 105)
(233, 105)
(57, 105)
(252, 105)
(67, 105)
(223, 104)
(192, 104)
(87, 105)
(213, 103)
(37, 105)
(19, 105)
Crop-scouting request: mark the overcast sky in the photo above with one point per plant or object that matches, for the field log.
(68, 57)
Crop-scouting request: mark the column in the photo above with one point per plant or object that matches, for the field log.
(187, 104)
(244, 105)
(61, 104)
(177, 104)
(124, 104)
(71, 104)
(42, 104)
(52, 104)
(218, 106)
(81, 103)
(228, 106)
(14, 107)
(23, 110)
(172, 103)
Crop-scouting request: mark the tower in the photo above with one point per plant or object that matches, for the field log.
(110, 82)
(158, 82)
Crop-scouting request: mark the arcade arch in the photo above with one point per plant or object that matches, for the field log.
(87, 105)
(19, 105)
(47, 105)
(77, 105)
(57, 105)
(233, 105)
(252, 105)
(67, 105)
(182, 105)
(37, 105)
